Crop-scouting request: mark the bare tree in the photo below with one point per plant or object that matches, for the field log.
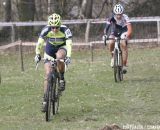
(86, 8)
(105, 2)
(41, 11)
(5, 32)
(7, 11)
(89, 7)
(144, 8)
(26, 11)
(59, 6)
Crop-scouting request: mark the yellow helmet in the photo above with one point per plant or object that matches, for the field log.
(54, 20)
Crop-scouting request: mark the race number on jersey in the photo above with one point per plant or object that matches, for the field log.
(68, 33)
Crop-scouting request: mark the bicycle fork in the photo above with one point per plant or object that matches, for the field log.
(116, 48)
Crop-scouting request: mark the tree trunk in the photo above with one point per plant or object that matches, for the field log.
(5, 32)
(89, 6)
(26, 11)
(39, 13)
(7, 12)
(86, 8)
(60, 7)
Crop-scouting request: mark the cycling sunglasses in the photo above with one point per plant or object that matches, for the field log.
(55, 27)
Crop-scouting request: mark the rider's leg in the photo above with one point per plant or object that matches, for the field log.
(124, 52)
(111, 48)
(47, 68)
(61, 54)
(124, 55)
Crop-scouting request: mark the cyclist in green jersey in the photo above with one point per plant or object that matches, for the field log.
(58, 39)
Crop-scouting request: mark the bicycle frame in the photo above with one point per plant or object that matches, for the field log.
(54, 87)
(53, 92)
(117, 47)
(118, 74)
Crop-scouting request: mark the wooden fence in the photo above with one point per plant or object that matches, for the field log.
(88, 29)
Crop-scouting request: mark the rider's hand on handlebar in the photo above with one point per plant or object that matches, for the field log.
(68, 60)
(104, 37)
(124, 36)
(37, 58)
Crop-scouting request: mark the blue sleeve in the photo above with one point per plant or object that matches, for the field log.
(66, 31)
(107, 26)
(44, 32)
(110, 25)
(112, 20)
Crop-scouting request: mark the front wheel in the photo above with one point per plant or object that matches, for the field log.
(49, 97)
(48, 114)
(120, 67)
(55, 103)
(118, 75)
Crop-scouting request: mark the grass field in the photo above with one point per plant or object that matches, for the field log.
(92, 98)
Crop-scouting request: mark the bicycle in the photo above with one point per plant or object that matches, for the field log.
(53, 92)
(117, 55)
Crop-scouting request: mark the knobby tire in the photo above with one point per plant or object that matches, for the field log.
(49, 97)
(116, 67)
(55, 103)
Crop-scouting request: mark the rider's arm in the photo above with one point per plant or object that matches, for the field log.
(68, 35)
(69, 47)
(41, 40)
(129, 30)
(39, 45)
(129, 26)
(106, 27)
(109, 22)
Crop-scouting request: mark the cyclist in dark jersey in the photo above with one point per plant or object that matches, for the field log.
(121, 26)
(58, 39)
